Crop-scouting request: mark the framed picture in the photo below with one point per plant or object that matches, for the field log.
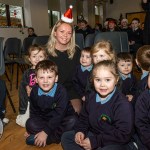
(139, 15)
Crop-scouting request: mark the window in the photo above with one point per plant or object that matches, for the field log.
(11, 16)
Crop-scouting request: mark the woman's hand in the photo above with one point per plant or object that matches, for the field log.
(144, 1)
(79, 137)
(40, 139)
(28, 89)
(86, 144)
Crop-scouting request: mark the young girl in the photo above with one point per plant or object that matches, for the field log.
(106, 120)
(35, 54)
(103, 50)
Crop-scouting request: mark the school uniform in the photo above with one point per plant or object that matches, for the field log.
(81, 79)
(142, 118)
(109, 122)
(48, 113)
(128, 84)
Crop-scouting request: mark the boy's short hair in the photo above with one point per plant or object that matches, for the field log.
(125, 56)
(143, 57)
(136, 19)
(86, 49)
(46, 65)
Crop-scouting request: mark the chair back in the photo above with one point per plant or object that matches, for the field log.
(27, 42)
(12, 47)
(124, 42)
(41, 40)
(2, 65)
(89, 40)
(79, 40)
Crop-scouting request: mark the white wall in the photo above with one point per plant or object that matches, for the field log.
(122, 6)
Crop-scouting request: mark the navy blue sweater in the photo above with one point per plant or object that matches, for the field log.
(52, 109)
(142, 117)
(111, 123)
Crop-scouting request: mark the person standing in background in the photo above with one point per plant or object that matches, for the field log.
(146, 31)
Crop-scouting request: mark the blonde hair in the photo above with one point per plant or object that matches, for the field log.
(107, 47)
(52, 41)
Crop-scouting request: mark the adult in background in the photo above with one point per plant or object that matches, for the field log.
(31, 32)
(62, 51)
(146, 31)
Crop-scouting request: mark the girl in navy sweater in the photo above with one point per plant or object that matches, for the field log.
(106, 120)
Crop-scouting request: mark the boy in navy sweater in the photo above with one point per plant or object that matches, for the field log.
(106, 120)
(48, 107)
(142, 117)
(82, 73)
(127, 79)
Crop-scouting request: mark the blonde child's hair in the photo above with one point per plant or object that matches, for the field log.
(34, 48)
(52, 41)
(143, 57)
(107, 47)
(107, 64)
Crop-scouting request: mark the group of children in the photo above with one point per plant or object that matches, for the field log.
(109, 92)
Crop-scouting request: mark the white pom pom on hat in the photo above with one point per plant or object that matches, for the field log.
(67, 16)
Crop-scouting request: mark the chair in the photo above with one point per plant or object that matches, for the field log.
(12, 51)
(2, 71)
(89, 40)
(124, 42)
(41, 40)
(79, 40)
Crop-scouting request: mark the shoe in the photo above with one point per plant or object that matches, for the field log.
(30, 139)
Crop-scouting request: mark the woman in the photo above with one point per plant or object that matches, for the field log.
(62, 50)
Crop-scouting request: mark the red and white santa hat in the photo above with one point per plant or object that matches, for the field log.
(67, 16)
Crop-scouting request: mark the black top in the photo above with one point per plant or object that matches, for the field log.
(111, 122)
(66, 68)
(51, 109)
(142, 117)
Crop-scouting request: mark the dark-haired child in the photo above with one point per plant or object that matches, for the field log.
(106, 120)
(142, 118)
(127, 79)
(82, 73)
(48, 107)
(35, 54)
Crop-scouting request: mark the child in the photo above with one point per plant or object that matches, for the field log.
(142, 117)
(102, 50)
(48, 106)
(35, 54)
(127, 79)
(143, 61)
(82, 73)
(135, 36)
(106, 120)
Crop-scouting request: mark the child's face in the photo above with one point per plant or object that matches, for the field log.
(100, 56)
(85, 59)
(125, 67)
(135, 24)
(63, 34)
(35, 57)
(46, 79)
(104, 81)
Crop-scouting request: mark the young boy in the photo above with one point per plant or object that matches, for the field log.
(142, 117)
(82, 73)
(48, 107)
(135, 36)
(143, 61)
(127, 79)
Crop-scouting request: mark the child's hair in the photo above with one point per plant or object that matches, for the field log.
(46, 65)
(52, 41)
(125, 56)
(143, 57)
(86, 49)
(107, 64)
(136, 19)
(33, 48)
(106, 46)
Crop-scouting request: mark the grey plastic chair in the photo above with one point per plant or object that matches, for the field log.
(89, 40)
(124, 42)
(79, 40)
(2, 71)
(41, 40)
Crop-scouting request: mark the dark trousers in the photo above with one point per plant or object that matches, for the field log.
(68, 143)
(2, 98)
(36, 125)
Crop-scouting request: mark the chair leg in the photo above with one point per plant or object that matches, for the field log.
(17, 76)
(10, 100)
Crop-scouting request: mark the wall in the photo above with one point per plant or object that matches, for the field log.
(122, 6)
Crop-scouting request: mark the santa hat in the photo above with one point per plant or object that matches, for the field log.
(67, 16)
